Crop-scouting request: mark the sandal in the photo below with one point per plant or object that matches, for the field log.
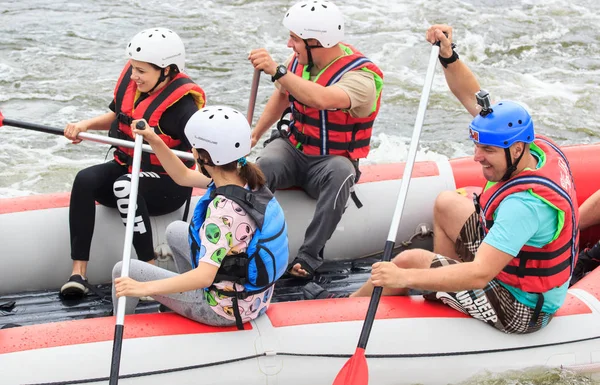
(303, 265)
(313, 291)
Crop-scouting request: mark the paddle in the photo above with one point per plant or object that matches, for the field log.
(356, 370)
(253, 93)
(85, 136)
(135, 177)
(137, 156)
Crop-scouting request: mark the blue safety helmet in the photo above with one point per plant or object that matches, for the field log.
(509, 122)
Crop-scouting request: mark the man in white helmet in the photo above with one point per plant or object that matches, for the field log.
(332, 93)
(152, 86)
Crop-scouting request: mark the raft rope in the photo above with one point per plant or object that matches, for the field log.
(273, 354)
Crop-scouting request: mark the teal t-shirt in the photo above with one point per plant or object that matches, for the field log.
(522, 219)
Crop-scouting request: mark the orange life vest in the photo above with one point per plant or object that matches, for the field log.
(334, 132)
(537, 270)
(150, 109)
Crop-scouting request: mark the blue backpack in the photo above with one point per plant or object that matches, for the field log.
(266, 258)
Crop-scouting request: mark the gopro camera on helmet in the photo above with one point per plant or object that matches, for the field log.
(484, 101)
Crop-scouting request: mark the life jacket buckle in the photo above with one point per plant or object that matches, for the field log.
(250, 199)
(125, 119)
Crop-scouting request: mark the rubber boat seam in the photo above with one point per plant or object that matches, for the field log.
(445, 171)
(587, 298)
(271, 353)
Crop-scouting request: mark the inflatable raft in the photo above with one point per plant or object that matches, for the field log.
(296, 342)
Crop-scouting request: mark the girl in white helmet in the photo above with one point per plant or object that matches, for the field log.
(235, 248)
(151, 86)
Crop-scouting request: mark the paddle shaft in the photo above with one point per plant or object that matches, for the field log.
(404, 185)
(253, 93)
(131, 208)
(89, 137)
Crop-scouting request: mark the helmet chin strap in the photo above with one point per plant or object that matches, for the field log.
(203, 170)
(511, 166)
(161, 78)
(309, 53)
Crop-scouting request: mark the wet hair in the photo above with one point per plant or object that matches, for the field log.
(249, 172)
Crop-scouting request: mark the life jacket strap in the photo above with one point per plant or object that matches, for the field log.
(236, 310)
(521, 271)
(240, 294)
(353, 195)
(235, 297)
(305, 119)
(341, 146)
(538, 309)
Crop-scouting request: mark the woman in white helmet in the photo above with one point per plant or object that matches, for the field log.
(151, 86)
(333, 93)
(235, 248)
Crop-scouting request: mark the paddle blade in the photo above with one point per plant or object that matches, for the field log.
(355, 371)
(1, 119)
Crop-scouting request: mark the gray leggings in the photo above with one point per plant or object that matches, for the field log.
(190, 304)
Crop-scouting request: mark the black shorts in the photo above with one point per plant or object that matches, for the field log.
(493, 304)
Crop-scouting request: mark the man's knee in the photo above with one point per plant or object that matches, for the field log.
(450, 208)
(413, 259)
(339, 176)
(339, 165)
(444, 202)
(268, 166)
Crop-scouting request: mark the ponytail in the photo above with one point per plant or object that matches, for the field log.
(253, 175)
(249, 171)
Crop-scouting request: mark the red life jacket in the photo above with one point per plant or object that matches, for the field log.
(334, 132)
(151, 109)
(537, 270)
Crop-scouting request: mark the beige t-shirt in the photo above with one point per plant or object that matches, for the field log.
(358, 85)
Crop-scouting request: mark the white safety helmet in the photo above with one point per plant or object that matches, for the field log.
(159, 46)
(316, 19)
(222, 131)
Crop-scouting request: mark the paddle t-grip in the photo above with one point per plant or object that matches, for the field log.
(140, 125)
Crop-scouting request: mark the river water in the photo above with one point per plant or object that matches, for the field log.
(59, 61)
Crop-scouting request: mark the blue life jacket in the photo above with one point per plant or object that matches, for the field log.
(266, 257)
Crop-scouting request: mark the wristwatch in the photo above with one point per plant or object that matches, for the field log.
(449, 60)
(279, 72)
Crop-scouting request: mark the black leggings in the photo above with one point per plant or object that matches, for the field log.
(109, 184)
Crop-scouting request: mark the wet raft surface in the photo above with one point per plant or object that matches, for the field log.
(47, 306)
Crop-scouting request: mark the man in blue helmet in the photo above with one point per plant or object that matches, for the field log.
(463, 85)
(505, 257)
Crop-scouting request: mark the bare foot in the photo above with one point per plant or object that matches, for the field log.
(298, 271)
